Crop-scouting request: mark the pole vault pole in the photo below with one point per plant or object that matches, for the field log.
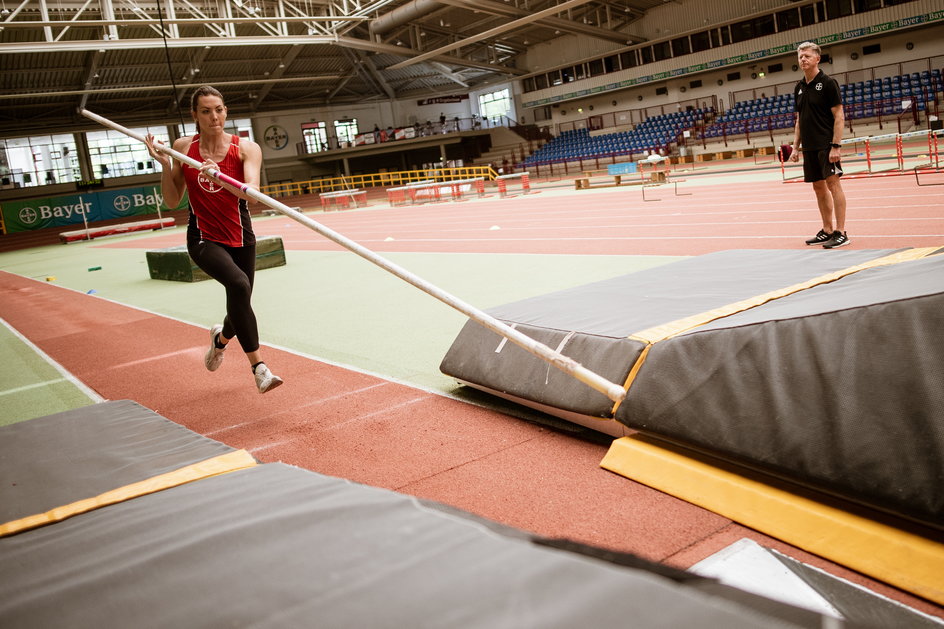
(568, 365)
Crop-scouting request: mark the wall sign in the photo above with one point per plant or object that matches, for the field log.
(275, 137)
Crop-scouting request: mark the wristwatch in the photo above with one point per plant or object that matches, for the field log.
(834, 145)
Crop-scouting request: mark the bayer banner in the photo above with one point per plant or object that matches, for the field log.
(93, 206)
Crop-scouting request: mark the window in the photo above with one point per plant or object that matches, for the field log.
(808, 15)
(867, 5)
(695, 83)
(554, 78)
(540, 81)
(315, 135)
(680, 46)
(628, 59)
(715, 35)
(646, 54)
(838, 8)
(114, 154)
(580, 71)
(611, 63)
(662, 91)
(774, 67)
(764, 25)
(568, 74)
(38, 160)
(662, 50)
(495, 104)
(596, 67)
(734, 76)
(788, 20)
(237, 126)
(700, 41)
(742, 31)
(871, 49)
(346, 131)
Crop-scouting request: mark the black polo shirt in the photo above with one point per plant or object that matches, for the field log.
(814, 103)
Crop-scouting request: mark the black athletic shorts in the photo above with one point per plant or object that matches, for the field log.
(817, 167)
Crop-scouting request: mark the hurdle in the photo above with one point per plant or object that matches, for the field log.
(433, 191)
(399, 195)
(611, 390)
(875, 152)
(343, 199)
(502, 182)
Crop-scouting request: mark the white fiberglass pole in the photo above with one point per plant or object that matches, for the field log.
(568, 365)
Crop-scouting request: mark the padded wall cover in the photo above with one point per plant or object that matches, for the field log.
(839, 386)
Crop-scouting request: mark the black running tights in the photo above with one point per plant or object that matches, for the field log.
(234, 268)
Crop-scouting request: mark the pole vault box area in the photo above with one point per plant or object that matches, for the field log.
(174, 263)
(824, 367)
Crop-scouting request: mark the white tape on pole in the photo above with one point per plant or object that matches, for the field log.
(568, 365)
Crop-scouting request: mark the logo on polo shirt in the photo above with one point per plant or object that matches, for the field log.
(819, 86)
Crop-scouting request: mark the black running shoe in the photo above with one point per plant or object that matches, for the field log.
(838, 239)
(820, 237)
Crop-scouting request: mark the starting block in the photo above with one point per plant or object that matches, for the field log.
(175, 264)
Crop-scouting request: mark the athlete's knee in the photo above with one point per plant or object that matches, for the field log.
(239, 287)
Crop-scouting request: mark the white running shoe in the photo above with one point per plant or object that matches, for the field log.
(265, 379)
(214, 356)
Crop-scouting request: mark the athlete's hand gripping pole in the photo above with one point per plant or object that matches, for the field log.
(568, 365)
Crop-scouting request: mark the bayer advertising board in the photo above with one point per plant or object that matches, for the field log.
(61, 211)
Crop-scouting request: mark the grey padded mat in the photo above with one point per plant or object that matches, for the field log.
(276, 546)
(56, 460)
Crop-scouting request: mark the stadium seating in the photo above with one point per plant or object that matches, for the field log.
(864, 99)
(653, 134)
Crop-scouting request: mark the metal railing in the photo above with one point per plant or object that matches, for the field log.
(375, 180)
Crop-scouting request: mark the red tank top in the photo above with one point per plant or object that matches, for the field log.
(216, 214)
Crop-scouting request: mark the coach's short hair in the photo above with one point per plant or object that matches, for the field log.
(808, 45)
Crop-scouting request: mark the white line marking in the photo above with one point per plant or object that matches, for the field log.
(32, 386)
(189, 350)
(66, 375)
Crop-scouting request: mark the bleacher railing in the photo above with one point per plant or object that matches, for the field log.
(375, 180)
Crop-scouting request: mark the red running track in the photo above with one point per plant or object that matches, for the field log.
(884, 213)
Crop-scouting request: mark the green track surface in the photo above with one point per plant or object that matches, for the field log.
(31, 386)
(333, 306)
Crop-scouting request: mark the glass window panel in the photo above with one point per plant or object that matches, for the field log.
(662, 50)
(700, 41)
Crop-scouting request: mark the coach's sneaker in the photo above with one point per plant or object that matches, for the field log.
(265, 379)
(838, 239)
(214, 355)
(820, 237)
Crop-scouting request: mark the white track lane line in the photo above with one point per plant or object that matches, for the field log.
(66, 375)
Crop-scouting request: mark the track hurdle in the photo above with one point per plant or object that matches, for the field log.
(343, 199)
(503, 180)
(890, 150)
(568, 365)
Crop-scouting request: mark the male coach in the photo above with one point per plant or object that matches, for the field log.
(817, 133)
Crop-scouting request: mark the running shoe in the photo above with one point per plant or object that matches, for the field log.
(214, 356)
(265, 379)
(838, 239)
(820, 237)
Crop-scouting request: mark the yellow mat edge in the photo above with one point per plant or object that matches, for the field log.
(674, 328)
(905, 560)
(229, 462)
